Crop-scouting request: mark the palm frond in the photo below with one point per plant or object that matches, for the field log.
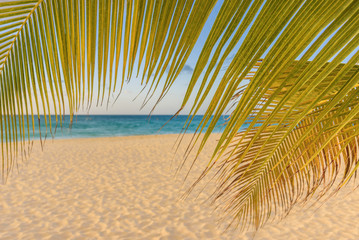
(276, 164)
(52, 53)
(294, 94)
(286, 82)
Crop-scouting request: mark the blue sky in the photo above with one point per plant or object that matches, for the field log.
(172, 102)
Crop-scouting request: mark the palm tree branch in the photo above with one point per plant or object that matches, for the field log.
(7, 51)
(285, 81)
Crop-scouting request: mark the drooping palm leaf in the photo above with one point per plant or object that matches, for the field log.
(287, 78)
(54, 52)
(282, 166)
(301, 115)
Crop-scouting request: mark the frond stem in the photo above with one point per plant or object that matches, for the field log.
(18, 32)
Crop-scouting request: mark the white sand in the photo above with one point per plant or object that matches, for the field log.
(124, 188)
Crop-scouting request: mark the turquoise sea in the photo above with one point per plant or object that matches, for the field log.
(88, 126)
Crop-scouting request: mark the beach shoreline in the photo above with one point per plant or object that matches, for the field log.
(126, 188)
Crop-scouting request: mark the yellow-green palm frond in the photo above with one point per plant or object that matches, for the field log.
(288, 86)
(13, 16)
(52, 53)
(278, 163)
(286, 82)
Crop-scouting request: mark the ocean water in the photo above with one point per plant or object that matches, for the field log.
(89, 126)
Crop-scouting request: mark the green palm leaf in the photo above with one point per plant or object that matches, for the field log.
(301, 114)
(52, 53)
(286, 82)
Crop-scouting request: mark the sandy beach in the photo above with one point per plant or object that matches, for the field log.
(125, 188)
